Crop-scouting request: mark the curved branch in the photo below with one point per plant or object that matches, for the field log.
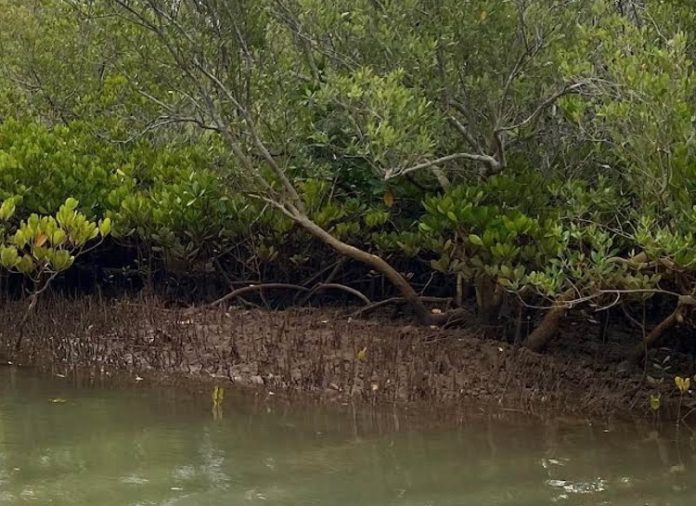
(641, 349)
(252, 288)
(289, 286)
(466, 134)
(532, 118)
(550, 322)
(338, 286)
(395, 300)
(485, 159)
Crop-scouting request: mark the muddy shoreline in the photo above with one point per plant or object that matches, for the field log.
(326, 356)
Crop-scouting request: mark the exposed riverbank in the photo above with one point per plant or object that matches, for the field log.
(325, 354)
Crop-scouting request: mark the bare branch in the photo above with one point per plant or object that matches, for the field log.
(486, 159)
(532, 118)
(253, 288)
(466, 134)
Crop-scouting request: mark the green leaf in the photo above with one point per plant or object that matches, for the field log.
(61, 260)
(8, 256)
(475, 240)
(105, 227)
(71, 204)
(7, 209)
(25, 265)
(20, 238)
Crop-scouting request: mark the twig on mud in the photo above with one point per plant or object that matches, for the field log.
(321, 286)
(435, 338)
(248, 303)
(396, 300)
(335, 267)
(252, 288)
(338, 286)
(632, 319)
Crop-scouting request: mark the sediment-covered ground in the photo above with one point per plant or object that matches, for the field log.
(329, 355)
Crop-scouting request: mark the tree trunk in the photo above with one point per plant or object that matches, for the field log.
(549, 324)
(632, 10)
(654, 336)
(377, 263)
(650, 340)
(489, 297)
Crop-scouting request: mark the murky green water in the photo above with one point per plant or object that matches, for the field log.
(145, 446)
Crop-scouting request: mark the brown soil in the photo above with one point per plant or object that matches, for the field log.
(327, 355)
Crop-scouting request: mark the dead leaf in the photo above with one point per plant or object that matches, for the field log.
(362, 354)
(40, 240)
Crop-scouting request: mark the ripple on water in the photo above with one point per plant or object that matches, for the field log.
(115, 447)
(134, 479)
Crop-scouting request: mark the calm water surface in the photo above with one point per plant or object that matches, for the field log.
(67, 445)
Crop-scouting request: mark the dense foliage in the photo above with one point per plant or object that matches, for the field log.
(525, 154)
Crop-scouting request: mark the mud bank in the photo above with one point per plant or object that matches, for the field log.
(326, 355)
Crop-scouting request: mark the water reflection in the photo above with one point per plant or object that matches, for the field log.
(142, 446)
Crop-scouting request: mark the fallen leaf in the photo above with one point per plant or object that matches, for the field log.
(362, 354)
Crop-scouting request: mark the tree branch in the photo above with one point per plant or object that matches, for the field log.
(532, 118)
(485, 159)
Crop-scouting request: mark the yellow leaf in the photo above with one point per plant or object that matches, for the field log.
(362, 354)
(483, 15)
(40, 239)
(682, 384)
(218, 395)
(388, 198)
(655, 402)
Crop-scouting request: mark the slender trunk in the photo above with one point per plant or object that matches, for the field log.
(518, 324)
(377, 263)
(33, 298)
(460, 290)
(489, 297)
(548, 326)
(441, 178)
(654, 335)
(632, 10)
